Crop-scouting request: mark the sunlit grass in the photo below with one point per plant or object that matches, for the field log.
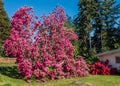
(7, 64)
(9, 76)
(95, 80)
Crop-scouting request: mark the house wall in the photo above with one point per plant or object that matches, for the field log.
(112, 59)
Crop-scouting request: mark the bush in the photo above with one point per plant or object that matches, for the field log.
(102, 68)
(90, 58)
(2, 51)
(43, 47)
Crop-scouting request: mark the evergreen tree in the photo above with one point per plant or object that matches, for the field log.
(110, 21)
(105, 27)
(69, 23)
(96, 26)
(117, 37)
(83, 23)
(4, 24)
(98, 30)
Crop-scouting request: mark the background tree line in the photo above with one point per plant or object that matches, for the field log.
(98, 27)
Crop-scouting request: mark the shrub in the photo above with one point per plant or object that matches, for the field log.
(102, 68)
(43, 45)
(2, 51)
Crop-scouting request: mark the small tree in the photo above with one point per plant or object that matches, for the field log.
(43, 46)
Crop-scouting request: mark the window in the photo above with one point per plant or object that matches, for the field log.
(117, 59)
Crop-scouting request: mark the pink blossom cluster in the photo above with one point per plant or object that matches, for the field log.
(42, 45)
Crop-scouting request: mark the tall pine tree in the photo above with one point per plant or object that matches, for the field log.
(96, 26)
(105, 26)
(4, 24)
(83, 23)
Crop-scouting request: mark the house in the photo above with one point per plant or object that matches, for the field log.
(113, 56)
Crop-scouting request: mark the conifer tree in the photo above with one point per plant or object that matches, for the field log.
(83, 23)
(105, 26)
(4, 24)
(96, 26)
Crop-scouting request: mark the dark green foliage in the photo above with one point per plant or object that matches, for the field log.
(4, 24)
(10, 71)
(117, 37)
(69, 23)
(2, 51)
(76, 51)
(96, 26)
(91, 58)
(83, 23)
(105, 26)
(4, 27)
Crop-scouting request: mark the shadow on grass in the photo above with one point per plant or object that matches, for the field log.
(10, 71)
(7, 84)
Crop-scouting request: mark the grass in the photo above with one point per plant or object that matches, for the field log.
(7, 64)
(95, 80)
(9, 76)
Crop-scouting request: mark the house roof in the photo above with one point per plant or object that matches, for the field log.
(108, 52)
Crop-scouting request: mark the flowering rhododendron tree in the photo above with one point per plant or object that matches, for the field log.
(43, 45)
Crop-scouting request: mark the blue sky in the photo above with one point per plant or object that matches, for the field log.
(42, 6)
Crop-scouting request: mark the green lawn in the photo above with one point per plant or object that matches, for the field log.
(9, 76)
(95, 80)
(6, 64)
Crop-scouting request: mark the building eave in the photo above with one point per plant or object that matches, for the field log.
(107, 52)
